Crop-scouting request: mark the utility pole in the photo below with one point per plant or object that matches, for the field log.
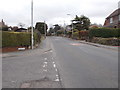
(45, 28)
(32, 39)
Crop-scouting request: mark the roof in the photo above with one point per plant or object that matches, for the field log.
(116, 12)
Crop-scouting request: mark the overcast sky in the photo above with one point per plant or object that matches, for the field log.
(55, 11)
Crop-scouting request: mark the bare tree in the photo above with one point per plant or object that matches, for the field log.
(21, 25)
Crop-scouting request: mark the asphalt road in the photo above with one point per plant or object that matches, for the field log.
(66, 63)
(85, 66)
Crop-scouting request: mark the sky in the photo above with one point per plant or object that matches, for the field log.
(53, 12)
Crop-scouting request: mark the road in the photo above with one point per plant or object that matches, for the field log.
(66, 63)
(85, 66)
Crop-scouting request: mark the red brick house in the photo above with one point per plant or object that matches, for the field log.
(113, 20)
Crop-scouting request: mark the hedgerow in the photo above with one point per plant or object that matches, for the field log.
(12, 39)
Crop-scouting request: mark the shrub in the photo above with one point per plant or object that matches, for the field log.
(60, 32)
(12, 39)
(104, 32)
(76, 35)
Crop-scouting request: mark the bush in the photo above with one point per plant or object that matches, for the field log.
(60, 32)
(83, 34)
(104, 32)
(12, 39)
(107, 41)
(76, 35)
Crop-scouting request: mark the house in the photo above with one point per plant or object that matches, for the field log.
(2, 23)
(21, 30)
(113, 20)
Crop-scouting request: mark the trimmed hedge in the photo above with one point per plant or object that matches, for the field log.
(104, 32)
(12, 39)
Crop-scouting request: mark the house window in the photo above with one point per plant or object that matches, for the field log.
(111, 20)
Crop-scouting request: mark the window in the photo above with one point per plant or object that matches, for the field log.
(111, 20)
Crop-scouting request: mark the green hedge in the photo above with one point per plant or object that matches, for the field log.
(12, 39)
(104, 32)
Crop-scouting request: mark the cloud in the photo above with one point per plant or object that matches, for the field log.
(55, 11)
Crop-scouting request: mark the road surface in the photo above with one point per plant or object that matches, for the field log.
(85, 66)
(66, 63)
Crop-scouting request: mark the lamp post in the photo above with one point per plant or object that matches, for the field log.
(32, 39)
(72, 24)
(64, 28)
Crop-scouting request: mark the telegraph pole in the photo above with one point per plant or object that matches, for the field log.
(32, 39)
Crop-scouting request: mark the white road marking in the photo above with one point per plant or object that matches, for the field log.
(53, 62)
(45, 70)
(54, 65)
(44, 65)
(13, 81)
(56, 75)
(45, 62)
(45, 52)
(57, 80)
(56, 70)
(51, 51)
(45, 58)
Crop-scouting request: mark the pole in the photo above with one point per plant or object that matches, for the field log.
(72, 25)
(45, 29)
(64, 28)
(72, 29)
(32, 42)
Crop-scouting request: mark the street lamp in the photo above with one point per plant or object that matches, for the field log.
(64, 28)
(72, 24)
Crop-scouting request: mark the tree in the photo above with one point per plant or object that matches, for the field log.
(57, 27)
(41, 27)
(51, 30)
(81, 22)
(21, 25)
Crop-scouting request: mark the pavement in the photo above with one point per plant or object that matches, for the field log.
(31, 68)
